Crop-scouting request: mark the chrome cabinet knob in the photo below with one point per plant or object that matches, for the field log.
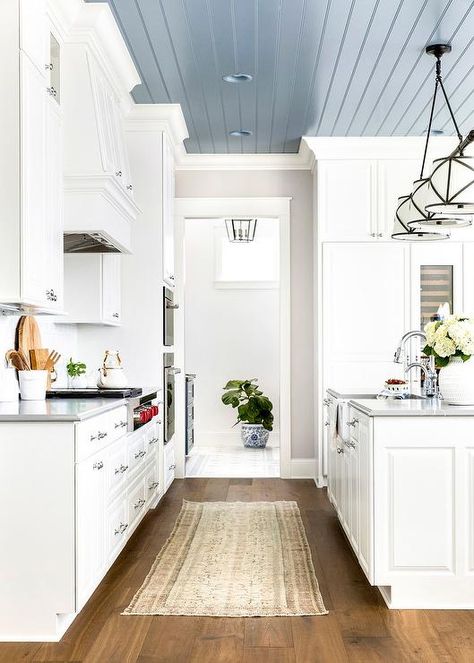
(115, 315)
(51, 91)
(139, 504)
(340, 450)
(353, 422)
(326, 401)
(98, 466)
(101, 436)
(130, 187)
(118, 173)
(172, 467)
(140, 454)
(171, 277)
(121, 469)
(121, 424)
(49, 66)
(153, 485)
(121, 528)
(153, 440)
(327, 423)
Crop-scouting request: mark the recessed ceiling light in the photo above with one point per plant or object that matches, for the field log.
(237, 78)
(240, 132)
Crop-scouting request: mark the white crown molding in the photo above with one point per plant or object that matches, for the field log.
(167, 118)
(371, 147)
(302, 160)
(105, 185)
(95, 26)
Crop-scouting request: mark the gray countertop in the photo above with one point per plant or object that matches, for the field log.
(345, 396)
(426, 407)
(60, 409)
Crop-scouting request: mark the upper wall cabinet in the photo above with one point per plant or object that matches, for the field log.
(30, 168)
(168, 212)
(357, 197)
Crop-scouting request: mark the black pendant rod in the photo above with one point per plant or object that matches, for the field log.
(428, 133)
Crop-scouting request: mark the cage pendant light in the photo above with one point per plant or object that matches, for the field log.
(412, 216)
(241, 230)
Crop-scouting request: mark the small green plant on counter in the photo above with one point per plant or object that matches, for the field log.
(74, 369)
(252, 406)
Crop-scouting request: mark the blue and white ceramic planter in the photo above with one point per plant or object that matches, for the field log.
(254, 435)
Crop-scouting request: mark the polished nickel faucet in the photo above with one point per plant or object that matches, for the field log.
(430, 387)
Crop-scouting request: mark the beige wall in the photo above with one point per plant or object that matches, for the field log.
(297, 185)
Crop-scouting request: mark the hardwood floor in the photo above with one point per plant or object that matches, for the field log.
(359, 628)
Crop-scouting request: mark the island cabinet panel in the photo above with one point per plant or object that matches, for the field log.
(418, 508)
(469, 467)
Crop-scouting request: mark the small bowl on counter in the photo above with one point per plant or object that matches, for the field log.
(397, 387)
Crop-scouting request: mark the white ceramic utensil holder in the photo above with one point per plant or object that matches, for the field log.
(33, 385)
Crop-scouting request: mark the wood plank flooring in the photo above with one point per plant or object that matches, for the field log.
(358, 629)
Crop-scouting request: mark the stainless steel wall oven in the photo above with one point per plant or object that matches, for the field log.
(169, 388)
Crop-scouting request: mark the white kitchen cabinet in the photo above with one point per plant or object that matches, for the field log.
(365, 311)
(362, 441)
(168, 213)
(33, 31)
(92, 289)
(111, 289)
(347, 200)
(395, 178)
(91, 481)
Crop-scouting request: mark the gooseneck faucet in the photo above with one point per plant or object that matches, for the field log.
(430, 387)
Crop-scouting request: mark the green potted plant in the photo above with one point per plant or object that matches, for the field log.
(254, 411)
(76, 374)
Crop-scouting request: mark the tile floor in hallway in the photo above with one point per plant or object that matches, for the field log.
(233, 461)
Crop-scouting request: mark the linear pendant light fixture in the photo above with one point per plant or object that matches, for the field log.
(426, 204)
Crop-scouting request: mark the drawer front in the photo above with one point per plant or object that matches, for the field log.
(136, 501)
(116, 523)
(97, 432)
(118, 422)
(152, 481)
(152, 436)
(117, 468)
(137, 451)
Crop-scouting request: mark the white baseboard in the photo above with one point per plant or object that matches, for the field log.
(228, 438)
(302, 468)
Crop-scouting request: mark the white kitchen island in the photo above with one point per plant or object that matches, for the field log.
(402, 483)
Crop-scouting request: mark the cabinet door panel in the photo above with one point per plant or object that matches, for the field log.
(168, 213)
(395, 179)
(33, 232)
(111, 288)
(33, 31)
(365, 490)
(347, 200)
(365, 311)
(90, 534)
(53, 205)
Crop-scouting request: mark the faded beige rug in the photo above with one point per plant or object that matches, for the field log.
(233, 559)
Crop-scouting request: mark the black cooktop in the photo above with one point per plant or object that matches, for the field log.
(125, 392)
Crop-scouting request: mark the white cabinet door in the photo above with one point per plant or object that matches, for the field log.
(347, 200)
(33, 31)
(91, 482)
(168, 213)
(111, 289)
(34, 247)
(395, 178)
(365, 492)
(54, 267)
(365, 312)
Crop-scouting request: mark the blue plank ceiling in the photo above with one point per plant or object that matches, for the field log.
(319, 67)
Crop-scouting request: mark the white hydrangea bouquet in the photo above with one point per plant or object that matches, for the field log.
(451, 337)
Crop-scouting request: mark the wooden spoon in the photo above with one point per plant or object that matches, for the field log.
(15, 359)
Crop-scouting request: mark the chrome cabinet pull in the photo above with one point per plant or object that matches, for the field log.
(93, 437)
(49, 66)
(118, 173)
(98, 466)
(121, 469)
(353, 422)
(327, 423)
(172, 467)
(51, 91)
(139, 504)
(326, 401)
(130, 187)
(115, 315)
(171, 277)
(153, 440)
(101, 436)
(153, 485)
(121, 528)
(340, 450)
(140, 454)
(121, 424)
